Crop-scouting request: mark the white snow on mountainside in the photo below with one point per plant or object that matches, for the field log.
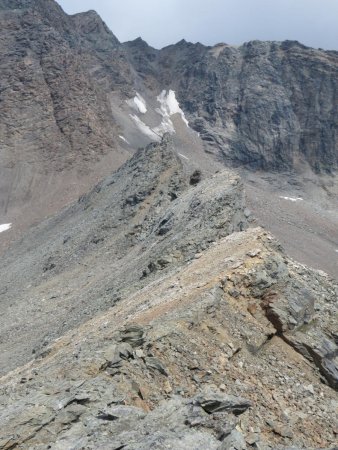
(292, 199)
(145, 129)
(138, 103)
(168, 107)
(5, 227)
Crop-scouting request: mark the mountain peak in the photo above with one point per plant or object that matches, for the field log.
(138, 43)
(91, 25)
(48, 6)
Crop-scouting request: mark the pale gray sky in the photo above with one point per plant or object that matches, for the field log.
(164, 22)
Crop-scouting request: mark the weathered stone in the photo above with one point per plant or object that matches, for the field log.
(133, 335)
(154, 363)
(316, 346)
(213, 401)
(235, 441)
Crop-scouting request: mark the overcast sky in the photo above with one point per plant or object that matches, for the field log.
(164, 22)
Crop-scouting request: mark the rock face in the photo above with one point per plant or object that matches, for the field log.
(55, 118)
(264, 105)
(52, 102)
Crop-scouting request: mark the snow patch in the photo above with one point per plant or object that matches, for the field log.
(292, 199)
(138, 103)
(183, 156)
(166, 126)
(124, 139)
(170, 106)
(5, 227)
(145, 129)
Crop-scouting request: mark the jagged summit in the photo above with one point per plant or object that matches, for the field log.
(139, 41)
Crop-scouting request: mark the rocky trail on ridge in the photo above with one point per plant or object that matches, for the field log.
(167, 324)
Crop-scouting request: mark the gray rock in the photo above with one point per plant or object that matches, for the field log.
(317, 347)
(235, 441)
(133, 335)
(154, 363)
(121, 412)
(216, 401)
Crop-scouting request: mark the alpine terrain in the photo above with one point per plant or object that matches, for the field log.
(169, 240)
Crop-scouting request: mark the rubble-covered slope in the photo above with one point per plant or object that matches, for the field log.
(151, 214)
(198, 358)
(145, 316)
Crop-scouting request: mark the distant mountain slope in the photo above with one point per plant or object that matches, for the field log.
(68, 116)
(264, 105)
(57, 134)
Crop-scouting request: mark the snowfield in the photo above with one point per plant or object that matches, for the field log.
(124, 139)
(5, 227)
(183, 156)
(170, 105)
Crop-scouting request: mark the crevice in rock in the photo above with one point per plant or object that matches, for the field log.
(323, 362)
(314, 358)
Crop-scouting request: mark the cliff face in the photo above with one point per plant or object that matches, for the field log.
(264, 105)
(52, 104)
(55, 117)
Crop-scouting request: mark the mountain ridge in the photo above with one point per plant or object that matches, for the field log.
(142, 304)
(148, 314)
